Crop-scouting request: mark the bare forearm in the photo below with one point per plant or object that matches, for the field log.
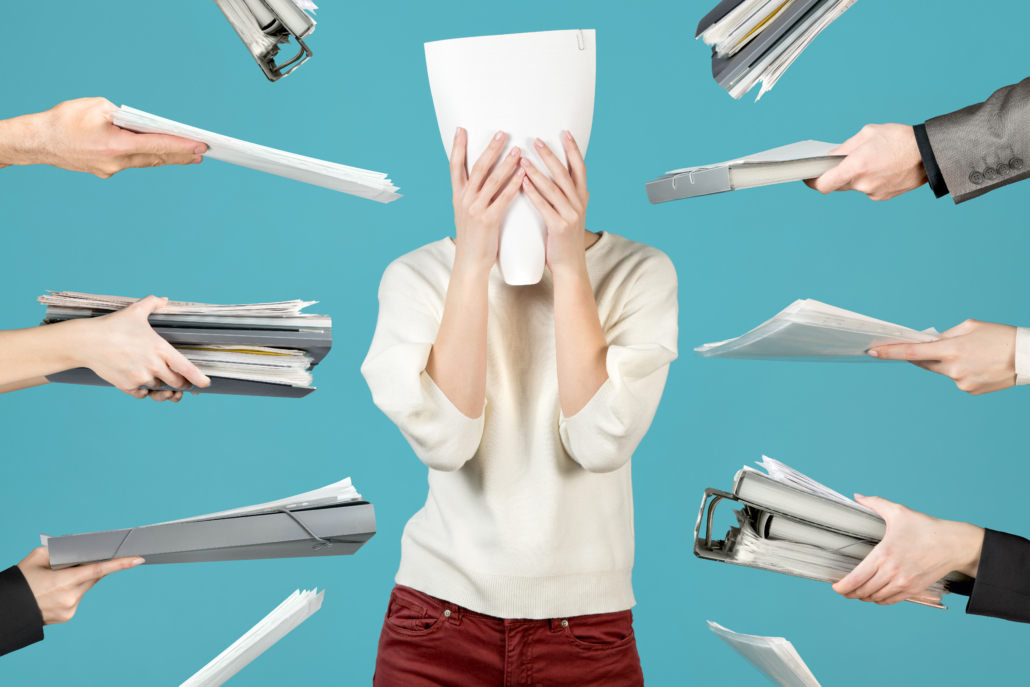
(457, 362)
(581, 348)
(19, 140)
(28, 354)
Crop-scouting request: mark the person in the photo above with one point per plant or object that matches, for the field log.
(78, 135)
(526, 403)
(919, 550)
(121, 348)
(966, 154)
(32, 595)
(980, 357)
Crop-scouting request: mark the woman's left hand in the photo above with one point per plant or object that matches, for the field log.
(562, 203)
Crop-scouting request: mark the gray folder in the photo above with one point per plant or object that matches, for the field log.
(334, 530)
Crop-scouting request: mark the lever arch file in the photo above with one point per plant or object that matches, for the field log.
(264, 25)
(331, 521)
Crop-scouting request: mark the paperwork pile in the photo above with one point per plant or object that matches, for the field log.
(251, 349)
(297, 608)
(357, 182)
(815, 332)
(774, 657)
(756, 40)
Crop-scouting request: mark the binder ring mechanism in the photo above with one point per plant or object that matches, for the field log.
(322, 543)
(708, 545)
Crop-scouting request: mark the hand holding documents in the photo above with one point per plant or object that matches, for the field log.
(794, 162)
(357, 182)
(774, 657)
(811, 331)
(331, 521)
(254, 349)
(791, 524)
(756, 40)
(297, 608)
(528, 85)
(264, 25)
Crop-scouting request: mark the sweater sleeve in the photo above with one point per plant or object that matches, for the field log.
(21, 622)
(410, 310)
(642, 342)
(1022, 355)
(1002, 585)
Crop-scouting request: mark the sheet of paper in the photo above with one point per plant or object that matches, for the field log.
(802, 150)
(774, 657)
(529, 85)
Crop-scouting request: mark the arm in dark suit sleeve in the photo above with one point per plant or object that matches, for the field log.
(983, 147)
(1002, 585)
(21, 622)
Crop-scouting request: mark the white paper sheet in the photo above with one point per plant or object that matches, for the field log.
(774, 657)
(529, 85)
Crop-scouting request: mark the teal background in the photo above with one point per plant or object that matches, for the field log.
(85, 459)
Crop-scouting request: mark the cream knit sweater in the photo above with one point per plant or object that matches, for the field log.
(529, 513)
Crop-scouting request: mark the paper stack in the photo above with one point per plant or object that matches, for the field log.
(357, 182)
(815, 332)
(297, 608)
(252, 349)
(774, 657)
(756, 40)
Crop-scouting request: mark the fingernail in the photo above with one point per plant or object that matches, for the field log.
(135, 562)
(859, 496)
(539, 143)
(526, 163)
(499, 136)
(520, 172)
(568, 135)
(515, 151)
(457, 132)
(874, 354)
(200, 150)
(525, 182)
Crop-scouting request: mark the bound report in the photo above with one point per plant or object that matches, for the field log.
(774, 657)
(297, 608)
(356, 182)
(331, 521)
(757, 40)
(264, 25)
(791, 524)
(253, 349)
(811, 331)
(794, 162)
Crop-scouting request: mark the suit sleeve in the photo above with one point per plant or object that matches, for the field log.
(1002, 585)
(642, 343)
(21, 622)
(985, 146)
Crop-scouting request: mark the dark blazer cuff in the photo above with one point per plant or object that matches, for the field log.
(1002, 586)
(933, 170)
(21, 622)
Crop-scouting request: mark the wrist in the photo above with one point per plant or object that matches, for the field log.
(470, 272)
(570, 274)
(72, 342)
(20, 140)
(969, 540)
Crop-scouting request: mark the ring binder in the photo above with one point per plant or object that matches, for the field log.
(264, 25)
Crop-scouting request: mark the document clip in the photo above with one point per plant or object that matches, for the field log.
(264, 25)
(706, 548)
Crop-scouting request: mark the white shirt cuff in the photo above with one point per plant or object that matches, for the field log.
(1022, 355)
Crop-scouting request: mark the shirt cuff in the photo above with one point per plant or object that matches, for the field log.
(1022, 355)
(933, 170)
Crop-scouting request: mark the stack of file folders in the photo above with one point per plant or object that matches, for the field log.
(757, 40)
(331, 521)
(256, 349)
(791, 524)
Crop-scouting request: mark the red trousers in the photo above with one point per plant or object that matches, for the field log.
(426, 641)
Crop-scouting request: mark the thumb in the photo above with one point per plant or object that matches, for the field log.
(148, 305)
(835, 178)
(880, 506)
(848, 146)
(161, 144)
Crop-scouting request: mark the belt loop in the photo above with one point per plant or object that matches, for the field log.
(452, 613)
(556, 624)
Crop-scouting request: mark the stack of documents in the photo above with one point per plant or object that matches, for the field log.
(331, 521)
(791, 524)
(794, 162)
(357, 182)
(263, 25)
(297, 608)
(253, 349)
(774, 657)
(756, 40)
(815, 332)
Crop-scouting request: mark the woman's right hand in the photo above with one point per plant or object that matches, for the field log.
(480, 200)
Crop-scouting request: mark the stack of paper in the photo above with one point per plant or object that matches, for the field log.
(757, 40)
(297, 608)
(812, 331)
(357, 182)
(794, 162)
(774, 657)
(263, 349)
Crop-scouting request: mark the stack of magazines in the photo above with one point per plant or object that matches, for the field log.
(252, 349)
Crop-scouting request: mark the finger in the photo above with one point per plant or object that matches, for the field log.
(161, 395)
(142, 160)
(961, 329)
(458, 175)
(97, 571)
(889, 590)
(916, 351)
(554, 195)
(508, 193)
(849, 146)
(835, 179)
(577, 167)
(485, 162)
(895, 598)
(137, 393)
(130, 143)
(177, 362)
(170, 377)
(561, 176)
(931, 365)
(539, 202)
(500, 176)
(866, 591)
(862, 573)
